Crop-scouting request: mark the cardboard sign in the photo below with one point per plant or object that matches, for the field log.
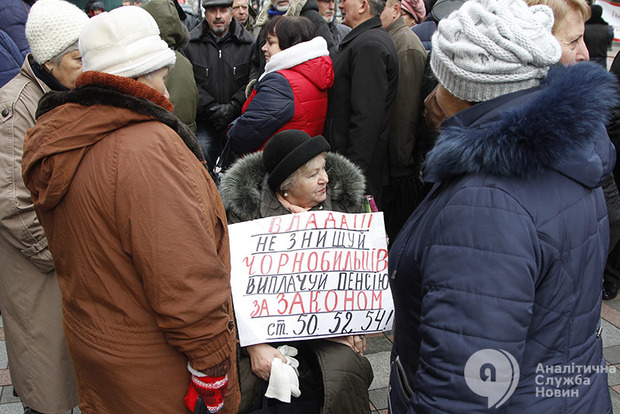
(310, 275)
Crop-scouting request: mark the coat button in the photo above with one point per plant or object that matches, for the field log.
(5, 112)
(231, 325)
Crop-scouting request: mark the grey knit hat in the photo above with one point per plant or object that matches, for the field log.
(489, 48)
(53, 26)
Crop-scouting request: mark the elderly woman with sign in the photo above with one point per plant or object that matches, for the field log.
(291, 176)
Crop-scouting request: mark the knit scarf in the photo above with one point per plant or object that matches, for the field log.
(290, 207)
(274, 12)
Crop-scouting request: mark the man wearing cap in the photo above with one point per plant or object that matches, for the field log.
(399, 200)
(220, 50)
(362, 98)
(137, 231)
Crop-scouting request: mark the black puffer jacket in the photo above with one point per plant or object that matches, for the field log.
(221, 68)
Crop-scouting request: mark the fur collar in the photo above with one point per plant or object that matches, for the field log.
(296, 55)
(558, 125)
(244, 192)
(95, 91)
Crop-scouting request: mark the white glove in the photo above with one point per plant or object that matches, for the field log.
(289, 352)
(284, 380)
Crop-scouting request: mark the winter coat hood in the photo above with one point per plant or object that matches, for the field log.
(558, 125)
(171, 29)
(68, 137)
(247, 196)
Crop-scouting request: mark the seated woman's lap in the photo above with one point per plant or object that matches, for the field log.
(348, 375)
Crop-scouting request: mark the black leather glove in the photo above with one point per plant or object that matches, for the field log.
(221, 115)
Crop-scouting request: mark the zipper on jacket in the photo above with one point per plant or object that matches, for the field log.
(220, 53)
(234, 70)
(207, 72)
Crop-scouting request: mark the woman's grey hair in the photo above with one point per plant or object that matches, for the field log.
(150, 75)
(56, 59)
(290, 180)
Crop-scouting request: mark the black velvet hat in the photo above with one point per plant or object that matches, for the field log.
(288, 150)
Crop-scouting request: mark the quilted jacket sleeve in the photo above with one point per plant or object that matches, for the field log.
(479, 268)
(272, 107)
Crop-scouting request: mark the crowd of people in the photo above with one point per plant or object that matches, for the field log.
(133, 137)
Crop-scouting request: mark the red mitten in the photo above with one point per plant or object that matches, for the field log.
(210, 389)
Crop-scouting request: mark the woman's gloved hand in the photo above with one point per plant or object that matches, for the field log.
(206, 393)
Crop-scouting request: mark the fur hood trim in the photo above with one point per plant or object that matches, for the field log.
(241, 187)
(558, 125)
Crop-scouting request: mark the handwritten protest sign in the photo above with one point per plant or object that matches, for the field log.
(310, 275)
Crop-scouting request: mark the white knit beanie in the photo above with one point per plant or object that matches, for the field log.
(124, 42)
(489, 48)
(53, 26)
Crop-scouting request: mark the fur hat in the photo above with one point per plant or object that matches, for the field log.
(288, 150)
(124, 42)
(53, 26)
(489, 48)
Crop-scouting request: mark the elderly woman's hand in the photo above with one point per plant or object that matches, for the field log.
(356, 342)
(261, 356)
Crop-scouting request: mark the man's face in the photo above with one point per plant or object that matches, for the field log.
(390, 13)
(218, 18)
(326, 9)
(569, 33)
(240, 11)
(350, 10)
(280, 5)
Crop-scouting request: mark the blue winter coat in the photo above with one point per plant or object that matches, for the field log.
(506, 254)
(13, 16)
(11, 58)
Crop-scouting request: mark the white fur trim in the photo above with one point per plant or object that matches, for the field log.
(297, 54)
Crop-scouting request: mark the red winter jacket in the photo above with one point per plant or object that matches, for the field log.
(294, 98)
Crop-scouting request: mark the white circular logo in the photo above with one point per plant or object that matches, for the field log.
(492, 373)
